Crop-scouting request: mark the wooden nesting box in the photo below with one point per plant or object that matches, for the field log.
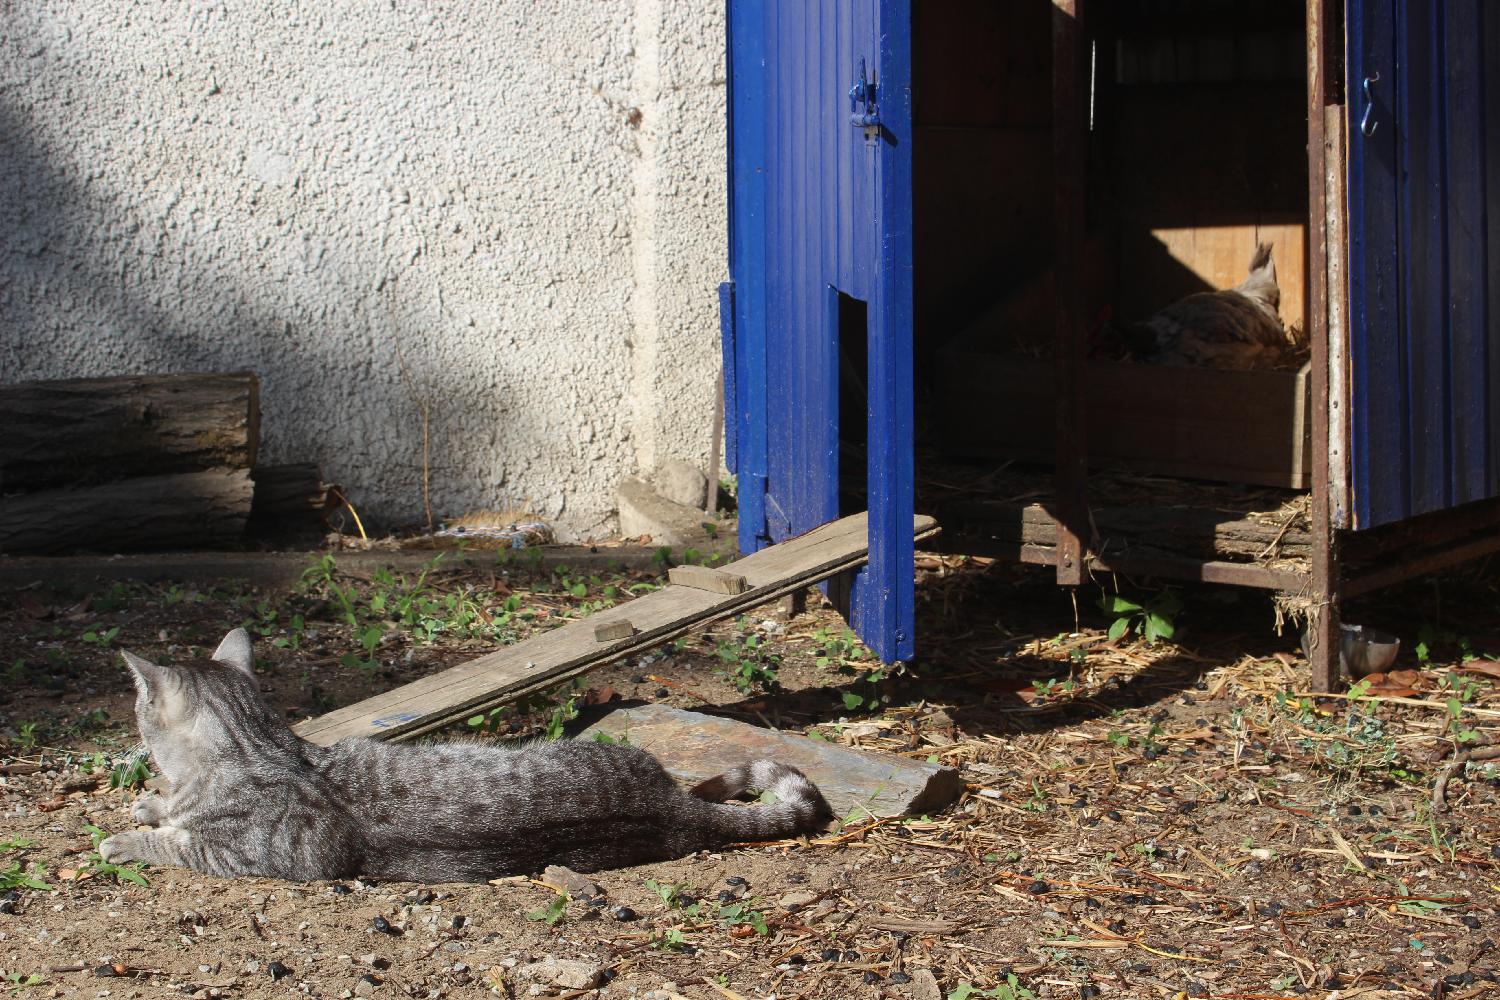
(1202, 423)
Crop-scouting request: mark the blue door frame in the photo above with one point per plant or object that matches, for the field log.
(820, 207)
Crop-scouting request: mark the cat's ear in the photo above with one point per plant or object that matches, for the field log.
(235, 651)
(150, 678)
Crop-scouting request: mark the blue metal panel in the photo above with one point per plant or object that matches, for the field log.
(883, 601)
(1423, 187)
(1469, 304)
(821, 206)
(748, 83)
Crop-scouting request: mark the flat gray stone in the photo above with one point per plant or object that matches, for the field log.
(857, 783)
(681, 482)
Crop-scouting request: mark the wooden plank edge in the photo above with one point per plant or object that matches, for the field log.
(536, 685)
(641, 642)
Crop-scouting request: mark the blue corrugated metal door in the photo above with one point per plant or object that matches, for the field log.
(1424, 179)
(819, 299)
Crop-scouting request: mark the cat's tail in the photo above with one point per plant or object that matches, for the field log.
(795, 805)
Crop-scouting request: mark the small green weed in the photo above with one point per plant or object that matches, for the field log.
(1152, 619)
(741, 914)
(14, 876)
(670, 893)
(369, 638)
(21, 981)
(101, 636)
(671, 939)
(131, 773)
(747, 663)
(1011, 989)
(552, 913)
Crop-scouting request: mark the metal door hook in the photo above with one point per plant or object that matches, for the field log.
(1367, 122)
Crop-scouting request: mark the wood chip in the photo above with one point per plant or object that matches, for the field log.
(613, 631)
(898, 926)
(715, 581)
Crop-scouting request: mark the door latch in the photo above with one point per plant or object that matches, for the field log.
(1367, 122)
(864, 110)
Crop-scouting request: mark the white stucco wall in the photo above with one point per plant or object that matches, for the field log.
(512, 211)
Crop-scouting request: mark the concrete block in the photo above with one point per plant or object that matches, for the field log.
(693, 747)
(643, 512)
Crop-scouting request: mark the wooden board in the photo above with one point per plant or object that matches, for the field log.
(858, 784)
(546, 660)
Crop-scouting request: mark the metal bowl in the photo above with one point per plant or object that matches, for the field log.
(1367, 650)
(1363, 651)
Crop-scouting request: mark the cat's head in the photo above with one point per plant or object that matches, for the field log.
(186, 713)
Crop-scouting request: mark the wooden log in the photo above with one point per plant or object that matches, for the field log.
(187, 510)
(288, 499)
(82, 432)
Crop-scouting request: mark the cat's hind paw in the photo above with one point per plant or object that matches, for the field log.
(150, 809)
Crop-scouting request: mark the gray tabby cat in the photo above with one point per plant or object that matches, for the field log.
(250, 797)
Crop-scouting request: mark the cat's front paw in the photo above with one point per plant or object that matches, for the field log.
(121, 847)
(150, 809)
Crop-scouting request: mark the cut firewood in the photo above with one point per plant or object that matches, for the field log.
(83, 432)
(190, 510)
(288, 499)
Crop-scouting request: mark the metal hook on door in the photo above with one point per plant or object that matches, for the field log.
(1367, 122)
(863, 93)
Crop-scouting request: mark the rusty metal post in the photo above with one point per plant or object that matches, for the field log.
(1070, 348)
(1323, 625)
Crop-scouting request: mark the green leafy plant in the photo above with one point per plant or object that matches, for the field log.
(557, 722)
(1052, 688)
(21, 981)
(1011, 989)
(14, 876)
(747, 664)
(671, 939)
(1153, 619)
(27, 735)
(17, 844)
(133, 772)
(552, 913)
(368, 637)
(101, 636)
(670, 893)
(736, 914)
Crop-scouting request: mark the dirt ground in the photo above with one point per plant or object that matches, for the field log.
(1168, 820)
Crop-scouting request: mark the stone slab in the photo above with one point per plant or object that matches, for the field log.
(857, 783)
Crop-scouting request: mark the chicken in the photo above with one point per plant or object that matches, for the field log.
(1237, 328)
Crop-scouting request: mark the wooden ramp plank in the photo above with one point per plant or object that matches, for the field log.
(857, 783)
(546, 660)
